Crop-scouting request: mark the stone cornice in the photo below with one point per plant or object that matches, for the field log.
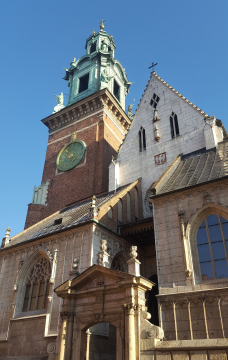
(86, 107)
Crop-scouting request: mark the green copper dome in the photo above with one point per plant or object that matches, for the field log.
(97, 70)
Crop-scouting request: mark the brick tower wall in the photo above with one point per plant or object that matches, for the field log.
(90, 176)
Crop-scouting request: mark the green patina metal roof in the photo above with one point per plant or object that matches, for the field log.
(96, 70)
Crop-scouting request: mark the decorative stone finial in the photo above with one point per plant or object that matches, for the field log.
(133, 263)
(93, 31)
(133, 252)
(93, 209)
(72, 64)
(103, 256)
(8, 232)
(74, 136)
(102, 25)
(75, 265)
(7, 235)
(111, 36)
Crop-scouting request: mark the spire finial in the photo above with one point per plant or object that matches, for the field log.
(152, 66)
(102, 25)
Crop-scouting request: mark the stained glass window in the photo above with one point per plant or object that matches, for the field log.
(212, 242)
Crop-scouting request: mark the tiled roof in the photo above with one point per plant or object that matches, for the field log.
(70, 216)
(194, 169)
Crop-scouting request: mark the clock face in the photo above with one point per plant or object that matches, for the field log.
(70, 155)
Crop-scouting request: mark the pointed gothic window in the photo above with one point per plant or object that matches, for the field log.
(128, 207)
(174, 127)
(37, 286)
(142, 139)
(120, 212)
(136, 204)
(154, 101)
(212, 243)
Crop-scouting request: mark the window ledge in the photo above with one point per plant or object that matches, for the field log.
(29, 315)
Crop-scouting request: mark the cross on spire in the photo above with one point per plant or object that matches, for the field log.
(152, 66)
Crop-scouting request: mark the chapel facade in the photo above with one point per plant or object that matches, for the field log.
(125, 249)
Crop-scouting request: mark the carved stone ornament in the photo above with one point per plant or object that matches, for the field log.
(188, 273)
(160, 159)
(51, 348)
(103, 256)
(133, 252)
(154, 333)
(157, 136)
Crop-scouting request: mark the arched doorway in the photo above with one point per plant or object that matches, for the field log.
(101, 342)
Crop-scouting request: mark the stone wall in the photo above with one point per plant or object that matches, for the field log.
(135, 164)
(190, 307)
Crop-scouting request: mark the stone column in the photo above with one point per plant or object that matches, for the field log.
(130, 348)
(63, 336)
(67, 334)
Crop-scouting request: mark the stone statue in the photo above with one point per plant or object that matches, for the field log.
(59, 105)
(104, 45)
(130, 112)
(104, 77)
(60, 98)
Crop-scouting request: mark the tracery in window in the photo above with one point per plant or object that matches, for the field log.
(154, 101)
(212, 243)
(37, 286)
(142, 139)
(174, 127)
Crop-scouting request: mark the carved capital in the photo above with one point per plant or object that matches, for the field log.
(67, 316)
(129, 309)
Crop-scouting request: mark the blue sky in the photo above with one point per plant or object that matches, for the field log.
(188, 39)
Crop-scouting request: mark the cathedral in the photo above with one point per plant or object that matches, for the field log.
(124, 254)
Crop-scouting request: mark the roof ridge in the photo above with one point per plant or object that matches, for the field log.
(179, 94)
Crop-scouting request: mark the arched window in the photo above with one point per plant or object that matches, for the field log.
(174, 127)
(37, 286)
(136, 204)
(119, 261)
(212, 243)
(110, 212)
(120, 212)
(128, 207)
(142, 139)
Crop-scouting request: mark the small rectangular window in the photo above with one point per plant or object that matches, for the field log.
(93, 47)
(83, 83)
(116, 90)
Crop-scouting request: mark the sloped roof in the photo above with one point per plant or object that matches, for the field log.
(71, 216)
(194, 169)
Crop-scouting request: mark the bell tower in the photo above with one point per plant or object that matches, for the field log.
(84, 134)
(97, 70)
